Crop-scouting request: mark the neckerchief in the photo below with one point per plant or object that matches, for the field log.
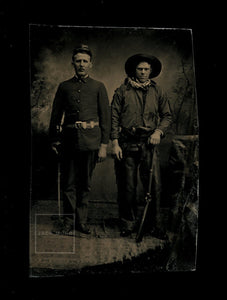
(139, 85)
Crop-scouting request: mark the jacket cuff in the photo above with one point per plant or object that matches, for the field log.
(159, 130)
(114, 136)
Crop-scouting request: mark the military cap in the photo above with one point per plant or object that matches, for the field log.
(82, 48)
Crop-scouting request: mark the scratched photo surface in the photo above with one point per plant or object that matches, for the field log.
(104, 250)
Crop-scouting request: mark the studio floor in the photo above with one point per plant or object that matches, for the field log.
(52, 252)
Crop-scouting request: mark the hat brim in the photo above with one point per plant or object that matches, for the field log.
(133, 61)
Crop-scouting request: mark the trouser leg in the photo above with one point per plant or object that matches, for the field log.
(86, 165)
(77, 174)
(69, 187)
(126, 174)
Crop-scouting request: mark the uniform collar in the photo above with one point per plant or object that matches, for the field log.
(78, 79)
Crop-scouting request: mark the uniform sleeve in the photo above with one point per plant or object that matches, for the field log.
(56, 115)
(115, 115)
(165, 113)
(104, 114)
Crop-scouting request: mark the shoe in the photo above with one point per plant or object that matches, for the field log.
(126, 232)
(60, 227)
(83, 228)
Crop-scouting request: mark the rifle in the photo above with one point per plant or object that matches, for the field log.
(148, 199)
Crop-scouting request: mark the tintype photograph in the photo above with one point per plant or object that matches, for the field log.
(115, 150)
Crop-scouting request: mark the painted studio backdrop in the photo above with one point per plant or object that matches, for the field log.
(50, 63)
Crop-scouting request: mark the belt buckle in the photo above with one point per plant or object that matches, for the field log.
(77, 124)
(84, 125)
(81, 124)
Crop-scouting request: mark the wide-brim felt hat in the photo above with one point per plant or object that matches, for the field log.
(133, 61)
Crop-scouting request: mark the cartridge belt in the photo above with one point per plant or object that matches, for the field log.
(83, 124)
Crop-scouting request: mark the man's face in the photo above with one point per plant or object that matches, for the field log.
(82, 64)
(143, 71)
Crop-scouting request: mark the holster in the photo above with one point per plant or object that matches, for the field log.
(133, 138)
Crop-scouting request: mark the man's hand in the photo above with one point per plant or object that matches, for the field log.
(54, 147)
(102, 153)
(155, 138)
(117, 150)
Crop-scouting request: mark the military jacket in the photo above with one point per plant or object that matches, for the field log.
(80, 100)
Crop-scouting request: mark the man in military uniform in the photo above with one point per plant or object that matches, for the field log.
(140, 116)
(85, 133)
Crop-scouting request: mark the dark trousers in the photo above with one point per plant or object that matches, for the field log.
(77, 176)
(127, 170)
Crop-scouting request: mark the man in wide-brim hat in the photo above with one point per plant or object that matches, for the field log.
(140, 116)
